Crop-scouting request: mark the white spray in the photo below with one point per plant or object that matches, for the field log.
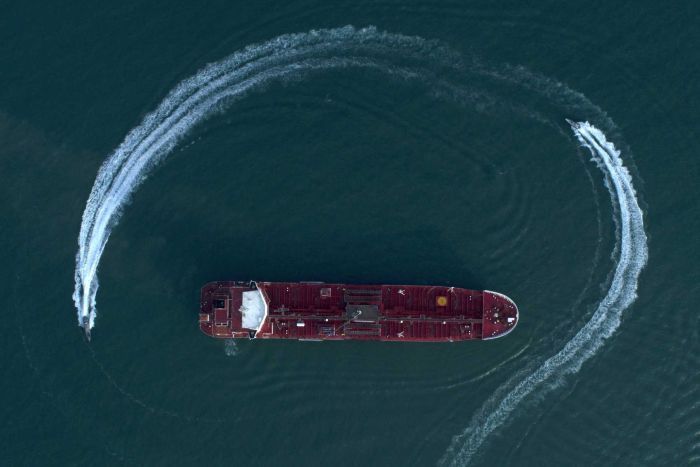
(293, 55)
(631, 244)
(197, 98)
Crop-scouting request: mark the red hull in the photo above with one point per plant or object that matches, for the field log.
(318, 311)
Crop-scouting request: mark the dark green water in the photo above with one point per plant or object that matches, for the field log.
(353, 175)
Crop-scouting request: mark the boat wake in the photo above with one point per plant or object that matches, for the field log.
(631, 246)
(209, 91)
(216, 86)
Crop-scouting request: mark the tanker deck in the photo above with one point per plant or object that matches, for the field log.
(319, 311)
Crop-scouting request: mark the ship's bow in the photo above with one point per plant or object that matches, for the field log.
(500, 315)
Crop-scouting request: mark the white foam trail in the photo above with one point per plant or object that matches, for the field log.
(293, 55)
(631, 246)
(198, 97)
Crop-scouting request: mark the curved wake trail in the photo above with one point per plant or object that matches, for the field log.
(205, 93)
(291, 56)
(631, 245)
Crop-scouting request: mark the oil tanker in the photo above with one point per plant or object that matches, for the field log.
(319, 311)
